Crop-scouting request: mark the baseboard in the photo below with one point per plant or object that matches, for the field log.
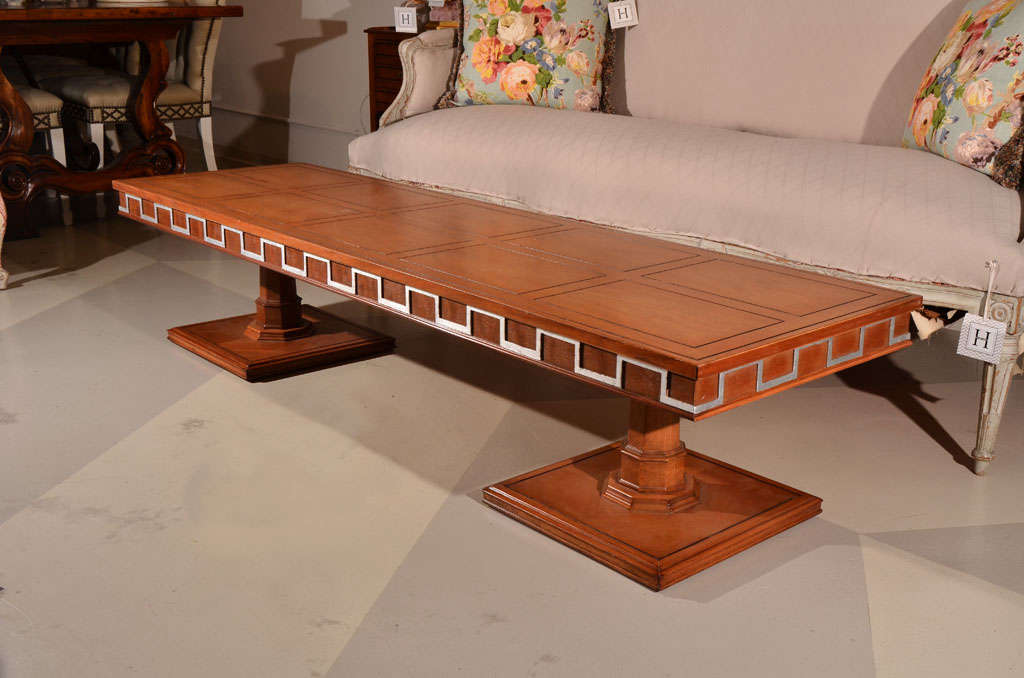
(254, 139)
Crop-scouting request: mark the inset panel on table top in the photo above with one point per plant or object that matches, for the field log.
(630, 308)
(478, 221)
(295, 176)
(379, 196)
(611, 249)
(284, 208)
(503, 269)
(776, 290)
(378, 233)
(207, 185)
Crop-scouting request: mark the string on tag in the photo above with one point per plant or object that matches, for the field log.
(993, 270)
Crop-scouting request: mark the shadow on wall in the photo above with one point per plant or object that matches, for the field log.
(274, 79)
(891, 108)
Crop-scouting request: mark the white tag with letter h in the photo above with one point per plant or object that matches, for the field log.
(981, 338)
(622, 13)
(405, 20)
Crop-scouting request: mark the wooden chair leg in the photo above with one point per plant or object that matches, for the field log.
(96, 137)
(994, 389)
(115, 141)
(59, 152)
(206, 135)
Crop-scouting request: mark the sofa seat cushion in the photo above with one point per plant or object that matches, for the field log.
(874, 210)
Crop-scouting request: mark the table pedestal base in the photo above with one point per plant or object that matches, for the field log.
(731, 510)
(282, 338)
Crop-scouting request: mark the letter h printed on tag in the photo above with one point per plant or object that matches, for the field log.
(981, 338)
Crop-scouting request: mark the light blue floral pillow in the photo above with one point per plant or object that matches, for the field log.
(970, 103)
(534, 52)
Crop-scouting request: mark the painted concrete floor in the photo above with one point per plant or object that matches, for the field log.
(159, 517)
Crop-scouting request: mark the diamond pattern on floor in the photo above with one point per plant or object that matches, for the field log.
(159, 517)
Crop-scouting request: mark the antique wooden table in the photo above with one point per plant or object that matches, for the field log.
(682, 332)
(22, 175)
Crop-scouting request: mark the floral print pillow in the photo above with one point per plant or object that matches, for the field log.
(970, 103)
(533, 52)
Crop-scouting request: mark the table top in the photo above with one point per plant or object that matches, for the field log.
(691, 312)
(96, 10)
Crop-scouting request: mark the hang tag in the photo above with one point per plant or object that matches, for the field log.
(622, 13)
(981, 338)
(405, 20)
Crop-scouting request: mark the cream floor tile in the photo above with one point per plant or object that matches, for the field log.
(932, 621)
(59, 266)
(230, 536)
(481, 595)
(79, 377)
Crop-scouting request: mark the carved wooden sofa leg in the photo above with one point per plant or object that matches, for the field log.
(994, 388)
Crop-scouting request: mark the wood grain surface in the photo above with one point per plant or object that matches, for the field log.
(695, 331)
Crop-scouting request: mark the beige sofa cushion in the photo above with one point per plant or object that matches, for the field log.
(864, 209)
(828, 69)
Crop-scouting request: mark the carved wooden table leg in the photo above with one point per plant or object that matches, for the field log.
(23, 175)
(650, 508)
(282, 338)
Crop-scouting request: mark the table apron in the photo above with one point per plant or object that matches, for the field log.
(69, 32)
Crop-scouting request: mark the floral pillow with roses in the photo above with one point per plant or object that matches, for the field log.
(970, 104)
(534, 52)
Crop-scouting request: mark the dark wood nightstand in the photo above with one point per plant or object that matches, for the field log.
(385, 69)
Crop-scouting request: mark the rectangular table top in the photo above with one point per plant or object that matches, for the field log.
(677, 325)
(91, 10)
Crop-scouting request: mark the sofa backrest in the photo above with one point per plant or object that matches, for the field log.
(829, 69)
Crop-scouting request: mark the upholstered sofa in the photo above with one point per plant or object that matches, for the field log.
(771, 131)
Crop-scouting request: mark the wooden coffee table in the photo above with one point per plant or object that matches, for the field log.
(682, 332)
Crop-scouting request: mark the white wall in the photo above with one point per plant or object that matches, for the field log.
(291, 79)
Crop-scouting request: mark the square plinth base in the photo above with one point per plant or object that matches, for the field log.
(333, 341)
(735, 510)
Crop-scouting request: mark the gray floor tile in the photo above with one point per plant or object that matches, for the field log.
(481, 595)
(80, 376)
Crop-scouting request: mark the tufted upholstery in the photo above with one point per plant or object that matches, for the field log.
(101, 95)
(45, 107)
(108, 89)
(863, 209)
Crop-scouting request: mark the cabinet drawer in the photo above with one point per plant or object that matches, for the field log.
(387, 74)
(387, 59)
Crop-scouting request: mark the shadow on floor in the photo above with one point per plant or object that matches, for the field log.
(747, 566)
(994, 553)
(64, 249)
(501, 375)
(884, 378)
